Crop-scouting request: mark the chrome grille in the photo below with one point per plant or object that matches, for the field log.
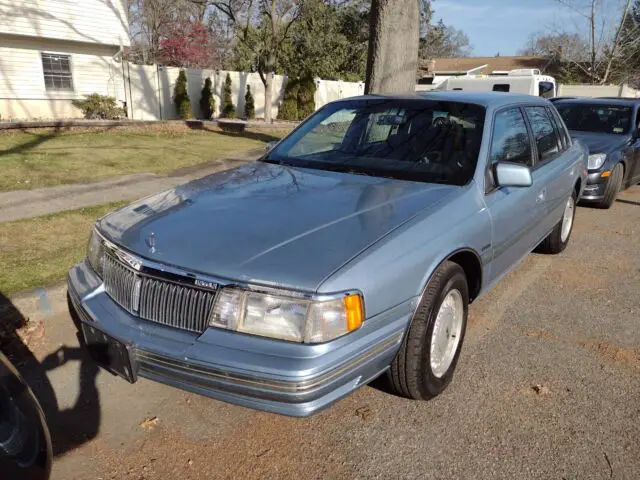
(118, 281)
(159, 301)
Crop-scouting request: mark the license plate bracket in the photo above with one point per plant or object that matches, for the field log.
(110, 353)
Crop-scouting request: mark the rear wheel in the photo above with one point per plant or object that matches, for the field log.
(558, 239)
(614, 185)
(425, 363)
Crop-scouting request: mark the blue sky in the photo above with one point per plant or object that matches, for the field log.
(501, 25)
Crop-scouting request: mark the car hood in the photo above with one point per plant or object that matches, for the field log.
(600, 142)
(269, 224)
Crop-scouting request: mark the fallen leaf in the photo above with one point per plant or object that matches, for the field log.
(149, 423)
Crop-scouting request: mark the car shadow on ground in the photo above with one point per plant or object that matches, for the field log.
(69, 427)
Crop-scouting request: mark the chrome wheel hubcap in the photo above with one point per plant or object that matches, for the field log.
(447, 332)
(567, 220)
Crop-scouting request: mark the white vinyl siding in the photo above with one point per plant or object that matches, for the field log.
(23, 93)
(88, 21)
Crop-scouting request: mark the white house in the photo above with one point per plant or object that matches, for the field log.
(55, 51)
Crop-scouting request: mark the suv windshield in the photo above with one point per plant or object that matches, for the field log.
(418, 140)
(614, 119)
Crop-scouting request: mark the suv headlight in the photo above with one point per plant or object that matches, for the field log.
(596, 160)
(287, 317)
(95, 252)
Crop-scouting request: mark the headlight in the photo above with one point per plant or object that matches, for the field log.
(596, 160)
(95, 252)
(287, 317)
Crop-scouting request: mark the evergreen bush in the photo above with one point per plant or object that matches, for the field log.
(181, 97)
(249, 105)
(306, 100)
(228, 109)
(289, 108)
(100, 107)
(207, 101)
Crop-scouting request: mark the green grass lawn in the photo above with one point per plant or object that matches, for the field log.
(38, 251)
(41, 158)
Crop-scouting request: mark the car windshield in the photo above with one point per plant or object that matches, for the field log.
(416, 139)
(614, 119)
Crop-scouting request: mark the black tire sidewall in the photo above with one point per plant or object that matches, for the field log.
(430, 384)
(564, 244)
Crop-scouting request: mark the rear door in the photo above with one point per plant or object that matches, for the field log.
(551, 170)
(515, 211)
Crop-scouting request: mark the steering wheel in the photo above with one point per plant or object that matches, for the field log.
(440, 121)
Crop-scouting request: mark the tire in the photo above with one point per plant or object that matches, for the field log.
(557, 241)
(614, 185)
(412, 372)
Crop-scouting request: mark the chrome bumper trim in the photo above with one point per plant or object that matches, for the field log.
(147, 360)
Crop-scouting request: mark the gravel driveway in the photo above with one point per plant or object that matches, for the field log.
(548, 386)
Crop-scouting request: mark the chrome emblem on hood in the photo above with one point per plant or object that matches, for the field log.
(151, 242)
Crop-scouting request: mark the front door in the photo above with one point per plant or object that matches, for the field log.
(516, 212)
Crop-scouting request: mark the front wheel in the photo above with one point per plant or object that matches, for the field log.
(425, 363)
(613, 186)
(558, 239)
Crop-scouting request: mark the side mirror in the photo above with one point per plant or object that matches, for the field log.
(269, 146)
(512, 175)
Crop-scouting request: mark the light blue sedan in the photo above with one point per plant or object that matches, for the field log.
(353, 248)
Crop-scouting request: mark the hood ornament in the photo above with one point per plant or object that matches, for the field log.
(151, 242)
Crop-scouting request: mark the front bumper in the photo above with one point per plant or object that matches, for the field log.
(256, 372)
(594, 189)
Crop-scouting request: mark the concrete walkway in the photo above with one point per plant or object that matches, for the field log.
(19, 204)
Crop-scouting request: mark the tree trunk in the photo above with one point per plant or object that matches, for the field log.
(268, 95)
(592, 20)
(394, 34)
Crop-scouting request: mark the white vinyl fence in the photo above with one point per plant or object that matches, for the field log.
(150, 91)
(624, 90)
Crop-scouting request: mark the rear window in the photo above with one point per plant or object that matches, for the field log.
(613, 119)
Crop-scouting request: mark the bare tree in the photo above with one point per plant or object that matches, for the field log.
(149, 20)
(604, 35)
(261, 28)
(394, 34)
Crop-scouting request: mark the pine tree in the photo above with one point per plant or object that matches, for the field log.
(181, 96)
(228, 109)
(249, 105)
(207, 102)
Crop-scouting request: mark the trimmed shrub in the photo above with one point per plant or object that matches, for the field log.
(228, 109)
(306, 101)
(181, 97)
(207, 101)
(100, 107)
(249, 104)
(289, 108)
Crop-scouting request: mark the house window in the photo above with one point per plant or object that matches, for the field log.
(57, 71)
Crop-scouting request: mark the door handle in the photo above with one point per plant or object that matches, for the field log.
(541, 195)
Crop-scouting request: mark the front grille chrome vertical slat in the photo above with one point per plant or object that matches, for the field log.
(161, 301)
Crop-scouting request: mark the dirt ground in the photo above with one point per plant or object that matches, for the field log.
(548, 386)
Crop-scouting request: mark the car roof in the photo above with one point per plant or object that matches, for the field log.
(486, 99)
(601, 101)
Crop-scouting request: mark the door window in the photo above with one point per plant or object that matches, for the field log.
(543, 132)
(510, 141)
(561, 131)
